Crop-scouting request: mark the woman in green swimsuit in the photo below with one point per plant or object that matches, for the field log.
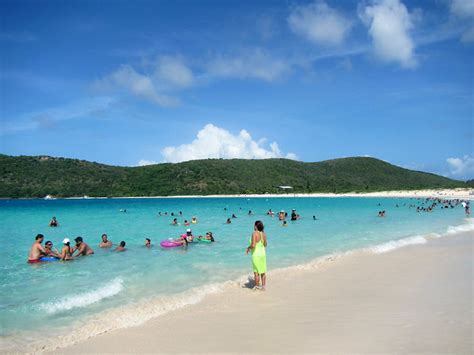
(258, 243)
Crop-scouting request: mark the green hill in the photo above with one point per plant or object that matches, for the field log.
(26, 176)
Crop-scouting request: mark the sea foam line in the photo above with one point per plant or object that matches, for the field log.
(85, 299)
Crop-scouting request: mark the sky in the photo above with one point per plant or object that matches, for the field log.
(140, 82)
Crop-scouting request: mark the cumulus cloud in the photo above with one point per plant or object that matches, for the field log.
(254, 64)
(464, 10)
(215, 142)
(319, 23)
(389, 24)
(461, 167)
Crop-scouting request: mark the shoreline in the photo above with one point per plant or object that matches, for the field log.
(212, 294)
(459, 193)
(389, 302)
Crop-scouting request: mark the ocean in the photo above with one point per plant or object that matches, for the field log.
(65, 302)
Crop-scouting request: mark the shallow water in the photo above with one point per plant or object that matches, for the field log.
(52, 297)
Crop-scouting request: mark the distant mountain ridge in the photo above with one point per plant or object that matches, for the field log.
(38, 176)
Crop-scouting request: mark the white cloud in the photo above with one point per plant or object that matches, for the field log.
(464, 10)
(172, 71)
(389, 24)
(319, 23)
(215, 142)
(140, 85)
(255, 64)
(461, 167)
(144, 162)
(167, 74)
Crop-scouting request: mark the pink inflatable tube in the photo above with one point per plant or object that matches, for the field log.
(169, 244)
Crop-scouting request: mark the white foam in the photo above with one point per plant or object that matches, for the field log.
(110, 289)
(395, 244)
(130, 315)
(467, 227)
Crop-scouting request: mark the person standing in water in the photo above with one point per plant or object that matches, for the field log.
(37, 250)
(258, 243)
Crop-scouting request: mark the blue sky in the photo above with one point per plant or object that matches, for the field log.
(137, 82)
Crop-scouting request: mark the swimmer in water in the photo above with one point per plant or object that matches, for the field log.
(66, 251)
(194, 220)
(37, 249)
(121, 246)
(105, 243)
(49, 251)
(284, 224)
(81, 248)
(175, 222)
(228, 221)
(186, 223)
(54, 222)
(148, 242)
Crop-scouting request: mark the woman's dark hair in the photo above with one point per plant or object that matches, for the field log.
(148, 239)
(48, 242)
(122, 243)
(259, 226)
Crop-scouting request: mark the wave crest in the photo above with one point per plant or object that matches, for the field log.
(85, 299)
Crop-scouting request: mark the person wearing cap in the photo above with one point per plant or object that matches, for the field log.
(81, 248)
(66, 252)
(189, 236)
(281, 215)
(106, 243)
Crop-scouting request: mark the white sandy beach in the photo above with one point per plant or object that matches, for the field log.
(417, 299)
(440, 193)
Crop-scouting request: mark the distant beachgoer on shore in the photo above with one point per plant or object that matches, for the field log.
(175, 222)
(228, 221)
(81, 248)
(54, 222)
(49, 251)
(258, 243)
(105, 243)
(66, 251)
(148, 242)
(194, 220)
(121, 246)
(37, 249)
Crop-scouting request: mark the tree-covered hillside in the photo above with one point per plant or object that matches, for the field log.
(26, 176)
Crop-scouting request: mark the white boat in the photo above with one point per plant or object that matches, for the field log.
(49, 197)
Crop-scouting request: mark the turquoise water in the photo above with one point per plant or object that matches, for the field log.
(37, 300)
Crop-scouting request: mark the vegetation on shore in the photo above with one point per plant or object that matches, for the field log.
(28, 176)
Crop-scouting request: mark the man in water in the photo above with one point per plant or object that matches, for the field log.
(121, 246)
(37, 250)
(106, 243)
(82, 248)
(294, 216)
(48, 247)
